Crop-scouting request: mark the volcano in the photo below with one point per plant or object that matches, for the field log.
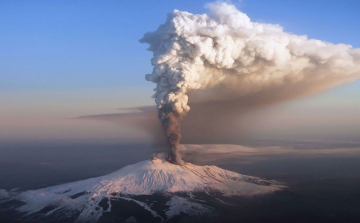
(159, 188)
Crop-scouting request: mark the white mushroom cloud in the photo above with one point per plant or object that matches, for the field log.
(230, 57)
(197, 51)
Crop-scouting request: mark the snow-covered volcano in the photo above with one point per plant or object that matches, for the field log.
(89, 199)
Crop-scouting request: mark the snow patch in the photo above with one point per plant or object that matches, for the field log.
(180, 205)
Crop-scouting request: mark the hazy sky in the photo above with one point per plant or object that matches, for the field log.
(63, 59)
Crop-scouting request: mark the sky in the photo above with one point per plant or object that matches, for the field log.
(64, 59)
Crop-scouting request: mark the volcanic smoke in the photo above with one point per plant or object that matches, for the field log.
(231, 57)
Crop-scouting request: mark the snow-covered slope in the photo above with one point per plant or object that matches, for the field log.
(143, 178)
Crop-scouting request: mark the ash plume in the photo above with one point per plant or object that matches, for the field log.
(170, 121)
(224, 56)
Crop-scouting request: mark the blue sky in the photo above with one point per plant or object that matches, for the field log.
(73, 44)
(70, 58)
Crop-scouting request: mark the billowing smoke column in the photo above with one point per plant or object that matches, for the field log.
(170, 120)
(225, 50)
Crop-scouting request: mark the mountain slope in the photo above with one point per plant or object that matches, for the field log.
(91, 198)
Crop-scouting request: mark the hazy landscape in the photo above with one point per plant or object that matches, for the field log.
(179, 111)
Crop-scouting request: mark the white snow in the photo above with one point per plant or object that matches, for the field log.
(143, 178)
(144, 205)
(180, 205)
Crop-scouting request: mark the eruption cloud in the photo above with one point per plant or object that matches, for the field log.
(228, 58)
